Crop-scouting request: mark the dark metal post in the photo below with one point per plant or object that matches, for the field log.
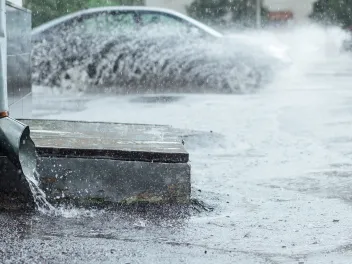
(15, 141)
(258, 13)
(3, 65)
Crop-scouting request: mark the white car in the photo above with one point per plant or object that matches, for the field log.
(62, 33)
(126, 16)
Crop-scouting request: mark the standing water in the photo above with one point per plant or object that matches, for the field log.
(278, 177)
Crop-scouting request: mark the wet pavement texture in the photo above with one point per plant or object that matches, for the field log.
(272, 169)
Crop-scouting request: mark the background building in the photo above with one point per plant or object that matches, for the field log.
(300, 8)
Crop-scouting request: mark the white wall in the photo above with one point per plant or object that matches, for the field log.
(17, 2)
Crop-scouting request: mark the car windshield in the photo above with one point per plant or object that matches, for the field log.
(167, 23)
(105, 22)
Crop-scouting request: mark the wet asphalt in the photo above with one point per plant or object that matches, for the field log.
(275, 187)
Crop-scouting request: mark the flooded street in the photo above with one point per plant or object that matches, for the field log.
(273, 169)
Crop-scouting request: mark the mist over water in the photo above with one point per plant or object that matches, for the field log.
(159, 60)
(309, 49)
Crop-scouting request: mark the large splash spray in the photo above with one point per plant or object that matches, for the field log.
(150, 61)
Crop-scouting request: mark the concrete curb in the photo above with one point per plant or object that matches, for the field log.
(90, 163)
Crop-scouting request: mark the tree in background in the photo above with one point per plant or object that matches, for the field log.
(46, 10)
(244, 12)
(241, 12)
(338, 12)
(208, 10)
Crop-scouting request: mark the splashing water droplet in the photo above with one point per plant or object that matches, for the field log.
(149, 62)
(39, 196)
(46, 208)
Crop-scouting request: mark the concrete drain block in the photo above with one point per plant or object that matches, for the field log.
(96, 163)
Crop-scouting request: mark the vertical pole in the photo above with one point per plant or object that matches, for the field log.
(15, 141)
(258, 13)
(3, 62)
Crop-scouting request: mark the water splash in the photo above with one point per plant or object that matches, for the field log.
(311, 48)
(28, 163)
(46, 208)
(39, 196)
(150, 61)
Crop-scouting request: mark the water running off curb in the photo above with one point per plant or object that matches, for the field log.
(45, 207)
(39, 196)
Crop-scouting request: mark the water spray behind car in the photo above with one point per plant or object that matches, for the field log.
(148, 60)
